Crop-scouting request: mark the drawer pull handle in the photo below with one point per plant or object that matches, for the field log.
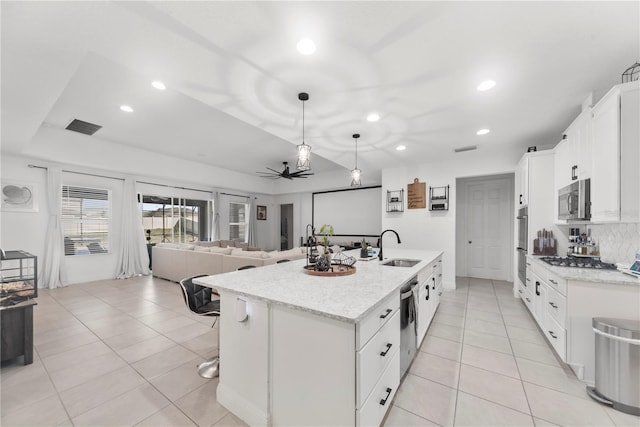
(528, 300)
(528, 280)
(553, 335)
(384, 353)
(553, 305)
(434, 283)
(520, 290)
(528, 264)
(386, 313)
(384, 401)
(553, 281)
(439, 275)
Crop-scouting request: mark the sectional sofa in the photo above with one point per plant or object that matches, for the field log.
(174, 262)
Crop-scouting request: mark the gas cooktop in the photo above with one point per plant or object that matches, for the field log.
(578, 262)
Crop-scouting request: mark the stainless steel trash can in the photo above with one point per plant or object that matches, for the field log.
(617, 364)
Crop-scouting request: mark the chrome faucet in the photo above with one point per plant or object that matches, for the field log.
(380, 241)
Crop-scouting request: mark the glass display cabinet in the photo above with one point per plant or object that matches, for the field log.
(18, 277)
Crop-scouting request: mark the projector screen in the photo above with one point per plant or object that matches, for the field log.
(352, 212)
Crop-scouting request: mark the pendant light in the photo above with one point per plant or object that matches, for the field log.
(304, 150)
(355, 173)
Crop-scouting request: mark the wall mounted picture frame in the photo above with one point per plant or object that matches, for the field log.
(19, 196)
(261, 213)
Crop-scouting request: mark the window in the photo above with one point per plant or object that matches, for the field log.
(85, 220)
(173, 219)
(238, 221)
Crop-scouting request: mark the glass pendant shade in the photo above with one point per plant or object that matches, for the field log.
(355, 172)
(304, 153)
(304, 150)
(355, 178)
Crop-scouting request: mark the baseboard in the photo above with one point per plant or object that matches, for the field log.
(240, 407)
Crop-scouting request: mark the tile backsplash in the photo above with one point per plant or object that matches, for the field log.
(618, 242)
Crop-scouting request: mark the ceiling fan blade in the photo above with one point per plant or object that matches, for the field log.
(273, 170)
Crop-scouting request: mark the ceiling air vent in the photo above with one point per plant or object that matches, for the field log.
(83, 127)
(467, 148)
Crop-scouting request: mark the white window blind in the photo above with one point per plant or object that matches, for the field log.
(238, 223)
(85, 220)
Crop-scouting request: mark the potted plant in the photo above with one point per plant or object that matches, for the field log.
(364, 253)
(326, 231)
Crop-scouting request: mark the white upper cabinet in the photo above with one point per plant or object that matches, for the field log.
(573, 153)
(522, 182)
(615, 193)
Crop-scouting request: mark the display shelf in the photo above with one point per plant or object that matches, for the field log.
(439, 198)
(395, 201)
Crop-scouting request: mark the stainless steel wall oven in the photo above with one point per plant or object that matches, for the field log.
(523, 224)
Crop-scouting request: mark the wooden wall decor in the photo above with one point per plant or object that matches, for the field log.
(416, 195)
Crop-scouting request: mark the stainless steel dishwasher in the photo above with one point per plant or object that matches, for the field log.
(408, 317)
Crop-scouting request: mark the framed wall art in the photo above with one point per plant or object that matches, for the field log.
(261, 213)
(19, 196)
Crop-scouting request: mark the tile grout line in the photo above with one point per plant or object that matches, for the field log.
(466, 307)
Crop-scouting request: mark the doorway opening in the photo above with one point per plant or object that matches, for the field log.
(485, 227)
(286, 226)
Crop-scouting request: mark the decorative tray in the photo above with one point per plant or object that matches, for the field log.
(335, 270)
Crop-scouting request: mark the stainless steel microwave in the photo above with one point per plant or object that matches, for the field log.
(574, 201)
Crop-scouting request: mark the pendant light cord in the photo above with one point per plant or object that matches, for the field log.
(303, 122)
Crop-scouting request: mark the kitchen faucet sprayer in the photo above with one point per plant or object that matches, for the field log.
(380, 241)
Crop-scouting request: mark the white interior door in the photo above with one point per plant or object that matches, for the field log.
(488, 228)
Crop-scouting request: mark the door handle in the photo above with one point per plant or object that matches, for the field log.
(427, 297)
(386, 313)
(384, 353)
(537, 288)
(384, 401)
(521, 199)
(573, 172)
(434, 283)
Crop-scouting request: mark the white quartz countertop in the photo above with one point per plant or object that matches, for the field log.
(347, 298)
(588, 274)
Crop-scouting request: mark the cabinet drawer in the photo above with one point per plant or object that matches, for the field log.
(529, 280)
(553, 280)
(557, 336)
(556, 306)
(379, 401)
(383, 312)
(529, 302)
(372, 360)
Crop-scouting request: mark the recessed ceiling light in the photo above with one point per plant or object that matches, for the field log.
(486, 85)
(401, 148)
(158, 85)
(306, 46)
(126, 109)
(373, 117)
(483, 132)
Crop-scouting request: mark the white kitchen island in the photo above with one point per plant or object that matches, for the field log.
(297, 349)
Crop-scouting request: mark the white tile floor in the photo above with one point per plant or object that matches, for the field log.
(123, 353)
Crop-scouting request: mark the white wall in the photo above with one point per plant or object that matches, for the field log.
(422, 229)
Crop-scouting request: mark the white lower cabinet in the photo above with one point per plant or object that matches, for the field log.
(375, 407)
(427, 294)
(375, 357)
(556, 335)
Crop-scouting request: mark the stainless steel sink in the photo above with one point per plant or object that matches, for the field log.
(401, 262)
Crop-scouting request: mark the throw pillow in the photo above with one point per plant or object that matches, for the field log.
(199, 248)
(223, 251)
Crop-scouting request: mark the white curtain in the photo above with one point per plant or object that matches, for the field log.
(54, 273)
(134, 258)
(216, 216)
(251, 232)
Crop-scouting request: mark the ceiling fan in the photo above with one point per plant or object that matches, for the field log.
(274, 174)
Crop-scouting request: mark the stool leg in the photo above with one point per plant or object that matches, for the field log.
(211, 368)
